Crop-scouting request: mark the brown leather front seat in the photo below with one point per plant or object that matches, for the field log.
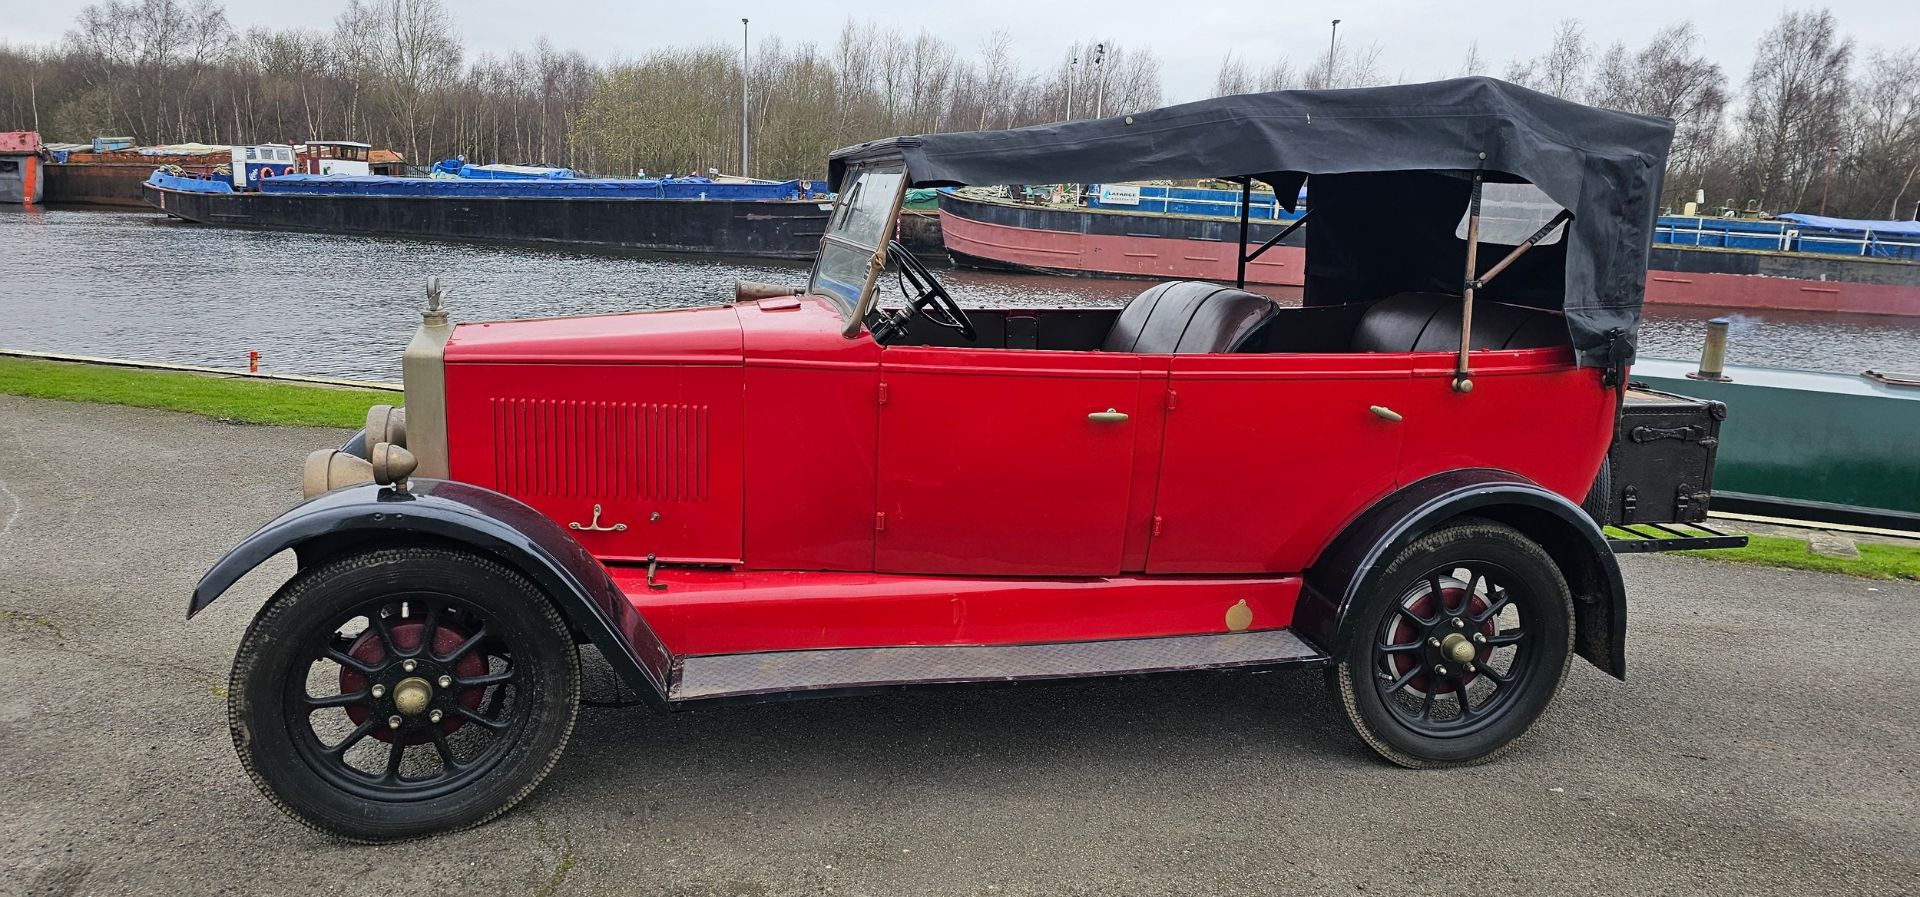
(1186, 317)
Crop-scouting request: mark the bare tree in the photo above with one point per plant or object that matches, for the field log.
(1668, 78)
(1233, 76)
(1562, 70)
(1796, 97)
(421, 54)
(1884, 122)
(1351, 67)
(1473, 64)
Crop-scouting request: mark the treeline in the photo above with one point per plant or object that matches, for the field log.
(1817, 120)
(395, 73)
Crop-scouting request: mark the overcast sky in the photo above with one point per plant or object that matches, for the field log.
(1418, 40)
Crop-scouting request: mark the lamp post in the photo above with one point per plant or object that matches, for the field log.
(1100, 80)
(1073, 63)
(1333, 40)
(743, 99)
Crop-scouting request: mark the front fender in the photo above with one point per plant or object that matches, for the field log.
(476, 518)
(1350, 565)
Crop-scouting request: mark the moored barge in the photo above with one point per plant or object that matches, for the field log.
(1183, 233)
(782, 220)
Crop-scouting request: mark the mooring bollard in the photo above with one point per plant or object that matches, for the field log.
(1713, 353)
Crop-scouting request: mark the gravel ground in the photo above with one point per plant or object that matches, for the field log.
(1767, 743)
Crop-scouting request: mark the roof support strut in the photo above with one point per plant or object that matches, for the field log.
(1521, 249)
(1462, 376)
(1276, 238)
(1246, 204)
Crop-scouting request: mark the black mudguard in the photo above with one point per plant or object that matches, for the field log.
(488, 522)
(1348, 568)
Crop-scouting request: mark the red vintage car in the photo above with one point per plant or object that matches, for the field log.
(802, 493)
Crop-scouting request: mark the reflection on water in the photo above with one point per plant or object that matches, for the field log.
(131, 284)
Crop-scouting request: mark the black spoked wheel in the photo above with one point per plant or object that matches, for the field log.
(1462, 648)
(403, 692)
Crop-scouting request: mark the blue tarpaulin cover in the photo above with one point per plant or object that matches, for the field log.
(574, 188)
(167, 181)
(1883, 228)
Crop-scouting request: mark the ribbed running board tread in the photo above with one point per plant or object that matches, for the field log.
(777, 672)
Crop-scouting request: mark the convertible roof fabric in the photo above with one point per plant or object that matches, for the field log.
(1605, 167)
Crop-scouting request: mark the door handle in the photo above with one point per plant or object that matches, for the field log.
(1109, 416)
(1385, 413)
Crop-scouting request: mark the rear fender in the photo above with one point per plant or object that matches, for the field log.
(470, 517)
(1349, 567)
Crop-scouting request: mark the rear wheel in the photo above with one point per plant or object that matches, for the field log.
(1459, 650)
(403, 692)
(1601, 495)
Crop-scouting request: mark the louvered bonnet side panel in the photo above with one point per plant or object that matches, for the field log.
(656, 450)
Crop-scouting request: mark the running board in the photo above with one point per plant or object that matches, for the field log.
(852, 670)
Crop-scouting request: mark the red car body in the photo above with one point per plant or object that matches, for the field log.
(839, 493)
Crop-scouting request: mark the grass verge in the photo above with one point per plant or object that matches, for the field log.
(1876, 561)
(226, 398)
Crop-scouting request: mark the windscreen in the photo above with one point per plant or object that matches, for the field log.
(857, 232)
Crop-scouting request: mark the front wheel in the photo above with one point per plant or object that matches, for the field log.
(1459, 649)
(401, 692)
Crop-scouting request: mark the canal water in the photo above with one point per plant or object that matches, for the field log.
(131, 284)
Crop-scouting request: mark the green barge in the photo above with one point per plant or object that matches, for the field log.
(1832, 447)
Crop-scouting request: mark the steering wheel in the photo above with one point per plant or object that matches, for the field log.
(926, 296)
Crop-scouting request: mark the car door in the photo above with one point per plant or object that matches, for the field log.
(1267, 455)
(1007, 462)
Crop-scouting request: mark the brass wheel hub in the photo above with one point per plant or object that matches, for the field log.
(412, 696)
(1458, 648)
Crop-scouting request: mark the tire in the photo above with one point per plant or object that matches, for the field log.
(1512, 611)
(1600, 497)
(458, 665)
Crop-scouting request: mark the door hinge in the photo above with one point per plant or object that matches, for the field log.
(883, 393)
(1173, 399)
(1156, 524)
(880, 521)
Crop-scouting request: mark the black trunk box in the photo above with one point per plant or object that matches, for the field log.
(1660, 469)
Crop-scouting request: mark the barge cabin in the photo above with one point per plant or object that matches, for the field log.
(20, 180)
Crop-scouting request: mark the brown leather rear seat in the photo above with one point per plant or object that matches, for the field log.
(1430, 322)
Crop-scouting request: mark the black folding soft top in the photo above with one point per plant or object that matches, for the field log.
(1391, 169)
